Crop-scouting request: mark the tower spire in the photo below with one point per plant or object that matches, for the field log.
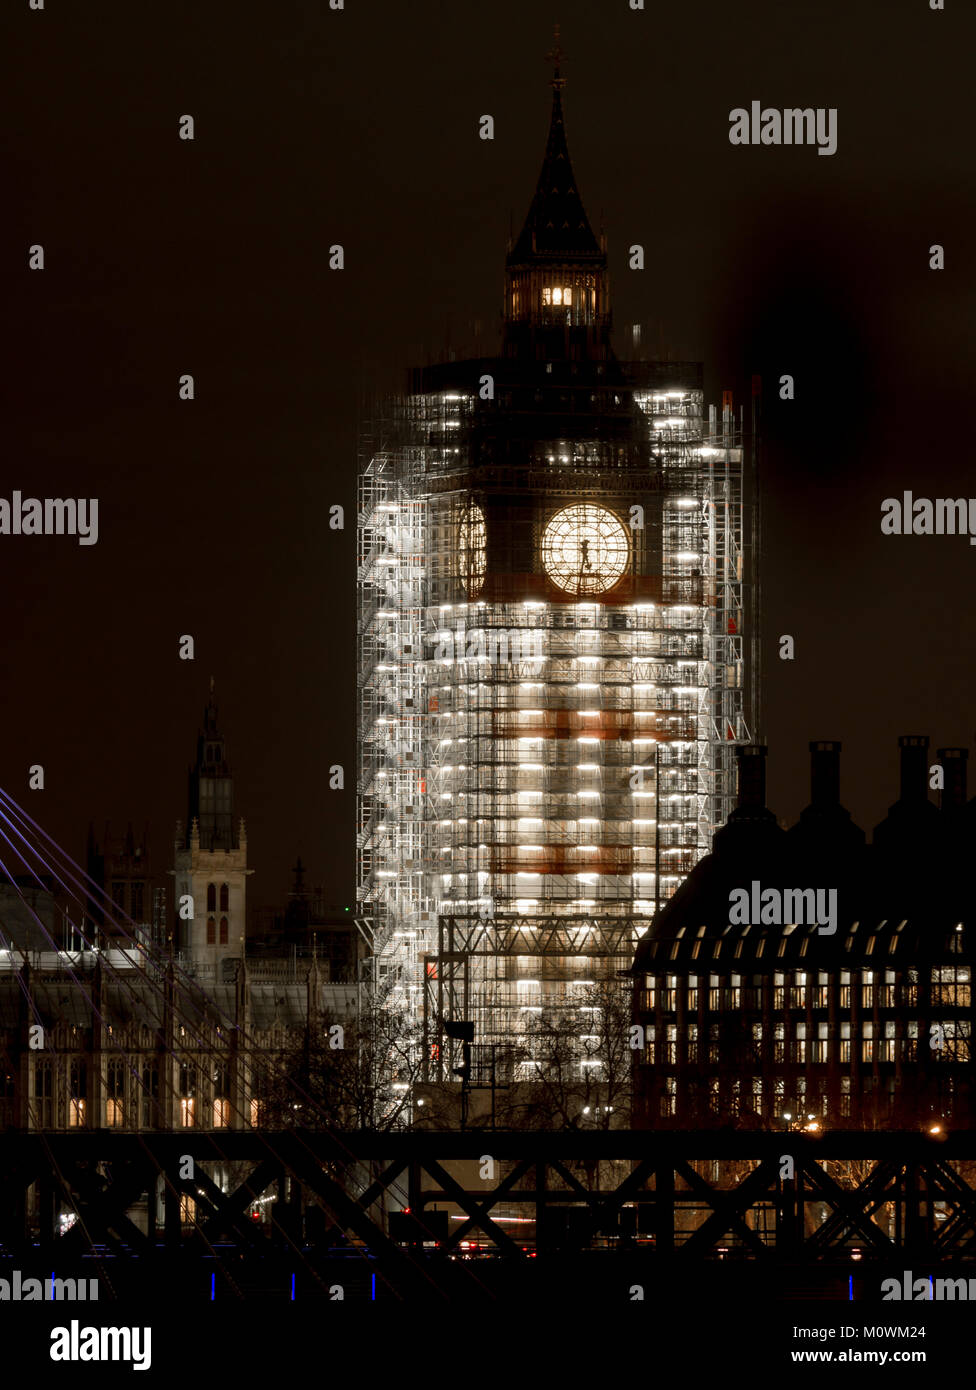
(556, 271)
(555, 56)
(211, 786)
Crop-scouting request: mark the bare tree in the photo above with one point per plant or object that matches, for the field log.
(576, 1062)
(357, 1075)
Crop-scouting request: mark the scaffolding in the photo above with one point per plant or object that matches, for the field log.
(539, 771)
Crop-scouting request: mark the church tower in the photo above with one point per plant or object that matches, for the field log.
(210, 864)
(551, 654)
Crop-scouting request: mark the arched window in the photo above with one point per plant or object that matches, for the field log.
(211, 932)
(224, 898)
(223, 931)
(211, 897)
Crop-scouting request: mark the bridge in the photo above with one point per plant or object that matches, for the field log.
(423, 1214)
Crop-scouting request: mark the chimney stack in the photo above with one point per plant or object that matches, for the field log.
(752, 776)
(824, 773)
(914, 766)
(953, 762)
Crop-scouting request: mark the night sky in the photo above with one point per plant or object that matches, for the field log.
(361, 127)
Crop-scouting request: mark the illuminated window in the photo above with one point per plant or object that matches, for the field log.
(221, 1104)
(115, 1092)
(557, 294)
(78, 1087)
(950, 985)
(188, 1086)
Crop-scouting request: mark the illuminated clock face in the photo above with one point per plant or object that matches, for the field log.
(585, 549)
(471, 550)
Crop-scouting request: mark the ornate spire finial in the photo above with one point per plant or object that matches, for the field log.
(555, 56)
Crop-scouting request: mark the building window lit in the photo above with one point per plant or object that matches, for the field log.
(221, 1104)
(950, 985)
(115, 1092)
(188, 1087)
(78, 1088)
(557, 294)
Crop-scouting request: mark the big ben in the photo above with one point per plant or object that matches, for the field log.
(553, 648)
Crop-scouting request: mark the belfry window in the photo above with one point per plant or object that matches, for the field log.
(557, 294)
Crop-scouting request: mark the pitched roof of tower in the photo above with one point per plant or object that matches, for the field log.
(557, 227)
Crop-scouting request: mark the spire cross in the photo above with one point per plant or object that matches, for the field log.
(555, 56)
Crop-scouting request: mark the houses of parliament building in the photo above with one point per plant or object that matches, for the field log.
(116, 1014)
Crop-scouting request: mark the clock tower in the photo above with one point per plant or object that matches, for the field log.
(551, 654)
